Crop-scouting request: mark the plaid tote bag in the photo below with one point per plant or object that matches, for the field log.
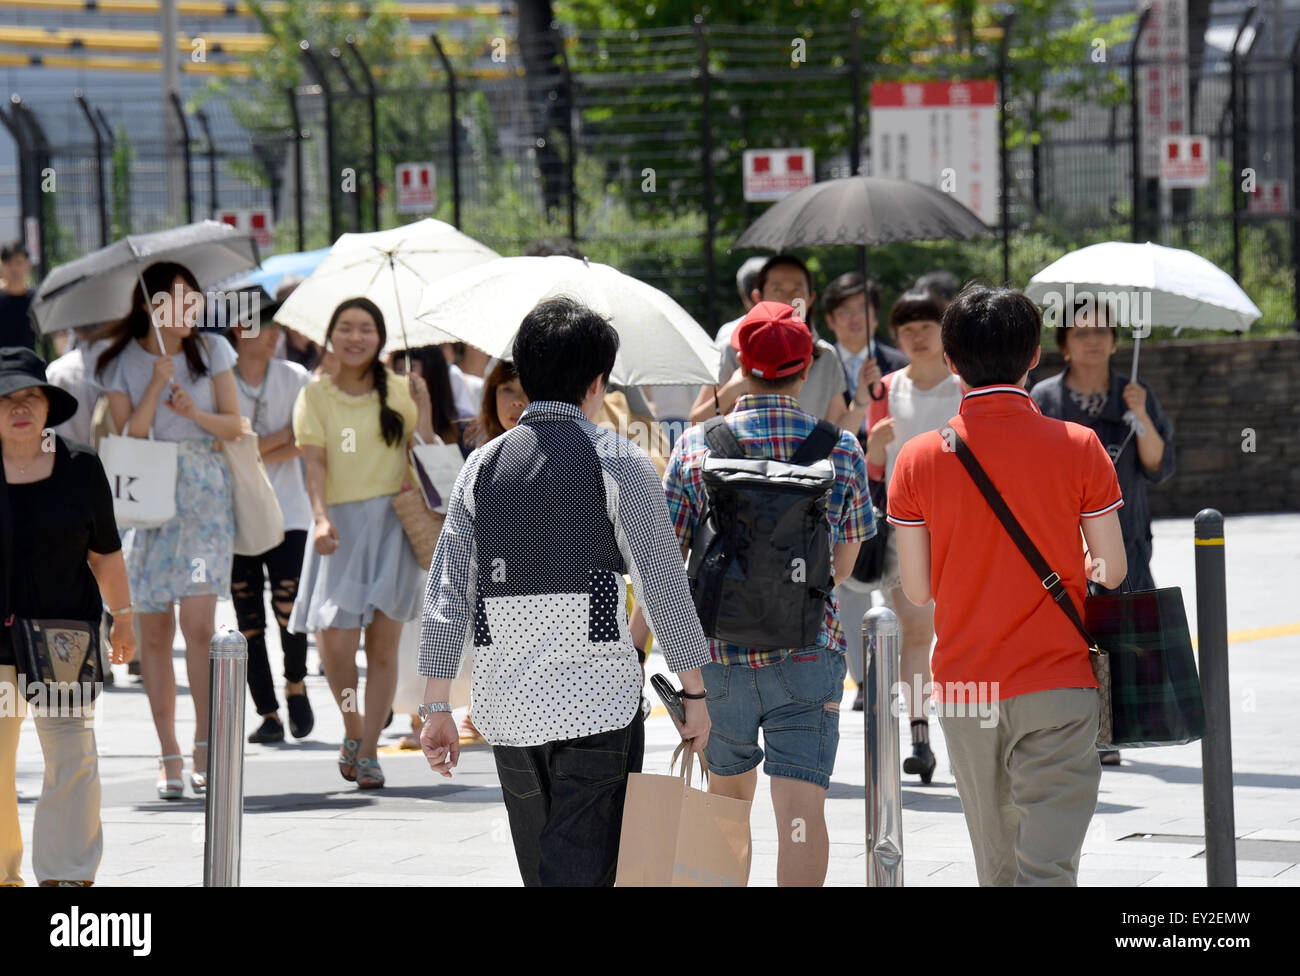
(1155, 693)
(1141, 649)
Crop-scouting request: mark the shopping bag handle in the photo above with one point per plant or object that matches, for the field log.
(686, 765)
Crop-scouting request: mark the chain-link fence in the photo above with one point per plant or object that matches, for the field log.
(631, 143)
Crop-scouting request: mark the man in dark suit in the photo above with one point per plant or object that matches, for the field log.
(851, 309)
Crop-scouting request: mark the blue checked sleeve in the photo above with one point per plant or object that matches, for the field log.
(448, 611)
(857, 521)
(649, 544)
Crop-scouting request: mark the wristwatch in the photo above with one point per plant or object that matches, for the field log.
(424, 711)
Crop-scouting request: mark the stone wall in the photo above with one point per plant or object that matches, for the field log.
(1235, 407)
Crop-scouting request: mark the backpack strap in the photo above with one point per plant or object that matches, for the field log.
(721, 439)
(819, 443)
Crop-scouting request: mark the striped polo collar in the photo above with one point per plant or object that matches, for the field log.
(1001, 396)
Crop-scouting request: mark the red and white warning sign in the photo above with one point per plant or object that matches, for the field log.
(417, 190)
(1270, 196)
(256, 222)
(943, 133)
(771, 174)
(1185, 161)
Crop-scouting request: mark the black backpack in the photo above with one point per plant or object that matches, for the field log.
(760, 566)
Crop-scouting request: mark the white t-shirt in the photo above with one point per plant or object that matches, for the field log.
(673, 402)
(917, 411)
(270, 408)
(131, 372)
(74, 372)
(466, 390)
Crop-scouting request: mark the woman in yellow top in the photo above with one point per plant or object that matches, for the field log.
(358, 568)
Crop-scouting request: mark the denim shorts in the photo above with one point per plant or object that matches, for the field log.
(796, 702)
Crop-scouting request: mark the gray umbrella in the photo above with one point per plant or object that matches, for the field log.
(862, 210)
(98, 287)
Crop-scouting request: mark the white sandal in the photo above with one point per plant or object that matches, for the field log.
(170, 789)
(199, 781)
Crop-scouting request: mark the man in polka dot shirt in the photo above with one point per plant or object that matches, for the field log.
(543, 522)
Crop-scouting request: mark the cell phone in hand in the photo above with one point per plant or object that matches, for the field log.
(670, 696)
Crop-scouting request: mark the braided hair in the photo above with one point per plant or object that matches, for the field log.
(390, 421)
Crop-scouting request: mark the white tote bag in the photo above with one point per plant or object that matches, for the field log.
(437, 466)
(142, 476)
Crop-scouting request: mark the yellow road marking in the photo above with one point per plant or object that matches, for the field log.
(1210, 542)
(1259, 633)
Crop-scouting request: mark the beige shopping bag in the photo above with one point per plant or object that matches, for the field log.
(677, 836)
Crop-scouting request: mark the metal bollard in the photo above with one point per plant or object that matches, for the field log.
(882, 642)
(1212, 658)
(224, 812)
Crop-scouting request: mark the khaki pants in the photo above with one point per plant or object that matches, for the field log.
(1028, 785)
(67, 838)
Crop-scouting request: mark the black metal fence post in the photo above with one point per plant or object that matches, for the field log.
(855, 150)
(202, 116)
(1295, 178)
(1135, 128)
(40, 150)
(299, 196)
(100, 195)
(337, 56)
(1216, 746)
(706, 148)
(1234, 94)
(372, 108)
(322, 81)
(453, 129)
(185, 155)
(18, 130)
(571, 149)
(1004, 167)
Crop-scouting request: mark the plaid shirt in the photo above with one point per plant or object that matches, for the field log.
(772, 425)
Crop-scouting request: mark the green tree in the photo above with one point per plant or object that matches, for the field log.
(123, 157)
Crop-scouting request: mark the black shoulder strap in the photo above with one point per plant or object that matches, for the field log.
(819, 443)
(721, 439)
(1051, 581)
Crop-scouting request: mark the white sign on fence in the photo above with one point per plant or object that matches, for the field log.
(1162, 78)
(944, 133)
(1185, 161)
(770, 174)
(417, 190)
(256, 222)
(1270, 196)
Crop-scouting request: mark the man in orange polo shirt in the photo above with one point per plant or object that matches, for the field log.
(1017, 699)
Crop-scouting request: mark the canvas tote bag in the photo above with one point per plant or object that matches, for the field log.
(142, 476)
(677, 836)
(259, 523)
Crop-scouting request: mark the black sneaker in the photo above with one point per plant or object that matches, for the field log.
(271, 730)
(301, 718)
(859, 700)
(921, 761)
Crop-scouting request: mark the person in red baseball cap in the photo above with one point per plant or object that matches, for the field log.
(773, 342)
(793, 693)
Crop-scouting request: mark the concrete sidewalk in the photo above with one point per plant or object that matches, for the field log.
(304, 825)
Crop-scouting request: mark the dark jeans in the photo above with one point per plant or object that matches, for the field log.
(565, 803)
(247, 591)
